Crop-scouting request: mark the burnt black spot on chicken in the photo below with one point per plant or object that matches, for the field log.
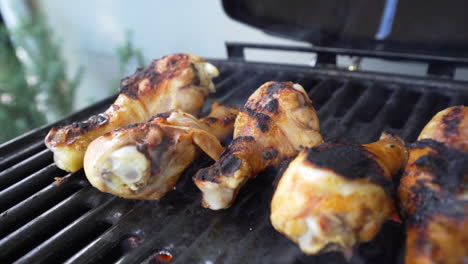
(229, 119)
(92, 122)
(430, 203)
(165, 115)
(237, 145)
(242, 138)
(229, 164)
(130, 85)
(448, 168)
(275, 87)
(351, 161)
(122, 129)
(210, 174)
(272, 106)
(451, 121)
(156, 153)
(79, 128)
(210, 120)
(269, 154)
(263, 121)
(196, 79)
(204, 175)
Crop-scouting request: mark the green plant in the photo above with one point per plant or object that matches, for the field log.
(18, 112)
(126, 54)
(46, 68)
(36, 90)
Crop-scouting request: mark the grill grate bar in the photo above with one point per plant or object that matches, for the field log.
(28, 151)
(247, 87)
(401, 109)
(421, 114)
(340, 129)
(227, 81)
(67, 241)
(34, 233)
(36, 204)
(47, 224)
(226, 89)
(25, 168)
(322, 92)
(100, 250)
(28, 186)
(378, 122)
(104, 229)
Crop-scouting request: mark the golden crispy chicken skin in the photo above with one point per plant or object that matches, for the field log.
(275, 123)
(178, 81)
(144, 161)
(336, 195)
(433, 191)
(449, 126)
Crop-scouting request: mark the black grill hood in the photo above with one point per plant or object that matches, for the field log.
(429, 27)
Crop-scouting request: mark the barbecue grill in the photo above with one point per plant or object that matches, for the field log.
(50, 220)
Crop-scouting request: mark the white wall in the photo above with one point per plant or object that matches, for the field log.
(91, 31)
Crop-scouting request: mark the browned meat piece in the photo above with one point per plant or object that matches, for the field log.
(275, 123)
(335, 195)
(178, 81)
(449, 126)
(433, 191)
(145, 161)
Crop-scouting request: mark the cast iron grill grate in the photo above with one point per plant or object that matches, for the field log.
(43, 221)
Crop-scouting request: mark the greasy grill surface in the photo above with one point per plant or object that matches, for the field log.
(73, 222)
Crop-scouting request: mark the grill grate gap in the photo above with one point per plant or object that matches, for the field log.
(28, 186)
(79, 242)
(26, 212)
(401, 108)
(21, 154)
(47, 232)
(196, 234)
(240, 83)
(372, 108)
(323, 91)
(25, 168)
(308, 83)
(427, 106)
(125, 245)
(351, 93)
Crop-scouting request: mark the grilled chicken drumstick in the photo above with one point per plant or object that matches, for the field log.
(336, 195)
(144, 161)
(178, 81)
(275, 123)
(433, 191)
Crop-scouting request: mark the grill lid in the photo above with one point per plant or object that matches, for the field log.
(417, 27)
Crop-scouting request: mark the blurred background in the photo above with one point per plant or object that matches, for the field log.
(60, 56)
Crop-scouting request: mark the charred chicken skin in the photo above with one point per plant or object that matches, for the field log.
(144, 161)
(178, 81)
(433, 191)
(336, 195)
(275, 123)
